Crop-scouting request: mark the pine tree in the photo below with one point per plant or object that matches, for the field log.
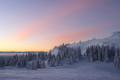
(49, 58)
(103, 52)
(37, 64)
(78, 53)
(52, 61)
(94, 52)
(43, 64)
(117, 58)
(118, 62)
(32, 65)
(2, 62)
(87, 52)
(70, 59)
(90, 54)
(112, 53)
(99, 50)
(106, 57)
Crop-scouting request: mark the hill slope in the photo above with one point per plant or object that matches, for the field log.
(114, 40)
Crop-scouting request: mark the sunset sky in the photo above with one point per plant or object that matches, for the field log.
(35, 25)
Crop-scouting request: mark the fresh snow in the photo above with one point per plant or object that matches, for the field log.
(54, 51)
(83, 70)
(113, 40)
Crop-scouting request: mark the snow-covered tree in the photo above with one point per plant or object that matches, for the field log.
(51, 60)
(2, 62)
(58, 59)
(70, 57)
(117, 58)
(90, 54)
(112, 53)
(78, 53)
(100, 53)
(13, 60)
(106, 55)
(99, 50)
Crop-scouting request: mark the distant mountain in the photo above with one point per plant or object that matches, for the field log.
(113, 40)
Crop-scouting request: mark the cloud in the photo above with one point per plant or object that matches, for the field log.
(81, 33)
(53, 16)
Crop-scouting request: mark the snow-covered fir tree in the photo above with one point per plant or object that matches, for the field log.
(100, 53)
(2, 62)
(117, 58)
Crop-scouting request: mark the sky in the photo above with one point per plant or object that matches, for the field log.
(39, 25)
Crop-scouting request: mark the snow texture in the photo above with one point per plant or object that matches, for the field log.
(79, 71)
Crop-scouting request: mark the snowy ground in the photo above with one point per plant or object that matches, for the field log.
(79, 71)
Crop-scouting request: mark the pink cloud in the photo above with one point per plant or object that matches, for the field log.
(80, 33)
(54, 15)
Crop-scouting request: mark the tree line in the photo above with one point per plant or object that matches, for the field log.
(65, 55)
(40, 60)
(104, 53)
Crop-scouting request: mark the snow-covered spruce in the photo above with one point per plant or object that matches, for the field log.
(117, 58)
(104, 53)
(2, 62)
(22, 61)
(100, 53)
(63, 56)
(41, 60)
